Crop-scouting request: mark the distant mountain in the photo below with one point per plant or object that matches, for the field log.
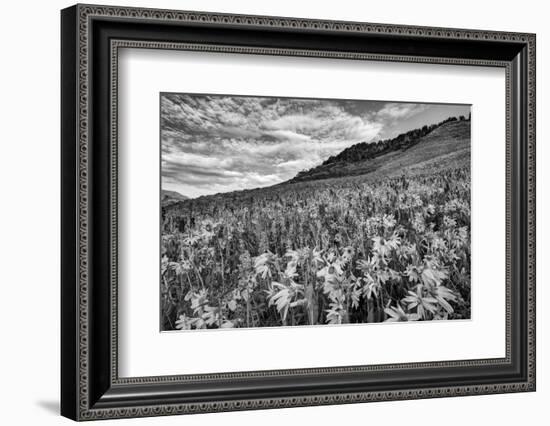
(429, 148)
(170, 197)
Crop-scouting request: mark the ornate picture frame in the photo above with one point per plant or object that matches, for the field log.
(91, 37)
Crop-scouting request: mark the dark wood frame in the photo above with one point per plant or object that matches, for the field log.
(90, 38)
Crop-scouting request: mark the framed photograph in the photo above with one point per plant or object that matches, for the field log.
(263, 212)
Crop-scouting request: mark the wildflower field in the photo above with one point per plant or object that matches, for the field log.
(334, 251)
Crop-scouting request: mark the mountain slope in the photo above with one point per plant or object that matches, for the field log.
(170, 197)
(448, 145)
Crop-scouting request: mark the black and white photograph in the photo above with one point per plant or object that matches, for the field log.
(272, 207)
(291, 211)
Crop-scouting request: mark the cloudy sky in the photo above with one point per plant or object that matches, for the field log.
(218, 143)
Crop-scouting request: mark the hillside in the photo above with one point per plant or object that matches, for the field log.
(446, 146)
(171, 197)
(443, 145)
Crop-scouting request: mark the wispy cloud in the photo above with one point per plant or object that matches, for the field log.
(396, 111)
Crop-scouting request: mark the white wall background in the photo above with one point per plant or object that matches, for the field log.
(29, 215)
